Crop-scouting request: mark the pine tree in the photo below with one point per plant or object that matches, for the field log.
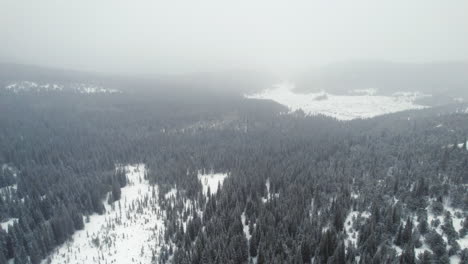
(339, 255)
(3, 259)
(34, 253)
(306, 251)
(426, 258)
(398, 238)
(20, 255)
(407, 256)
(253, 244)
(407, 232)
(116, 192)
(261, 256)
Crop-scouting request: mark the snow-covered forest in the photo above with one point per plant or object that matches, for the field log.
(215, 178)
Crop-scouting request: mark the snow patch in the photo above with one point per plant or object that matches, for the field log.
(350, 227)
(461, 145)
(128, 232)
(246, 227)
(10, 222)
(269, 194)
(211, 181)
(8, 191)
(343, 107)
(13, 170)
(171, 193)
(83, 88)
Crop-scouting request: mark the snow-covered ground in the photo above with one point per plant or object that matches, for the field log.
(349, 226)
(246, 227)
(269, 195)
(211, 180)
(13, 170)
(90, 88)
(361, 104)
(457, 220)
(24, 86)
(83, 88)
(8, 192)
(128, 232)
(6, 224)
(459, 145)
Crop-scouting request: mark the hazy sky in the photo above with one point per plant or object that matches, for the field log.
(152, 36)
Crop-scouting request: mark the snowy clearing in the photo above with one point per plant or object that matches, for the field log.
(362, 104)
(5, 225)
(211, 181)
(350, 226)
(128, 232)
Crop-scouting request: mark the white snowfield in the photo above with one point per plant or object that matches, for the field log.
(128, 232)
(211, 180)
(83, 88)
(361, 104)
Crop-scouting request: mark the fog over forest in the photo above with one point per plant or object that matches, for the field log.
(283, 37)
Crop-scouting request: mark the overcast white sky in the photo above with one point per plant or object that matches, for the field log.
(171, 36)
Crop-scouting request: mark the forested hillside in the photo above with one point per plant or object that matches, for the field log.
(299, 189)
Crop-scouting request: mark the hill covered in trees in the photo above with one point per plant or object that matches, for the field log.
(298, 189)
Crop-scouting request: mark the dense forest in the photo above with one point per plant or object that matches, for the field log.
(301, 189)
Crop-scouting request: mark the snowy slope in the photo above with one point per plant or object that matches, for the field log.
(127, 233)
(362, 104)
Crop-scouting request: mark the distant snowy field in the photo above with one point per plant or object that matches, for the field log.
(128, 232)
(82, 88)
(360, 104)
